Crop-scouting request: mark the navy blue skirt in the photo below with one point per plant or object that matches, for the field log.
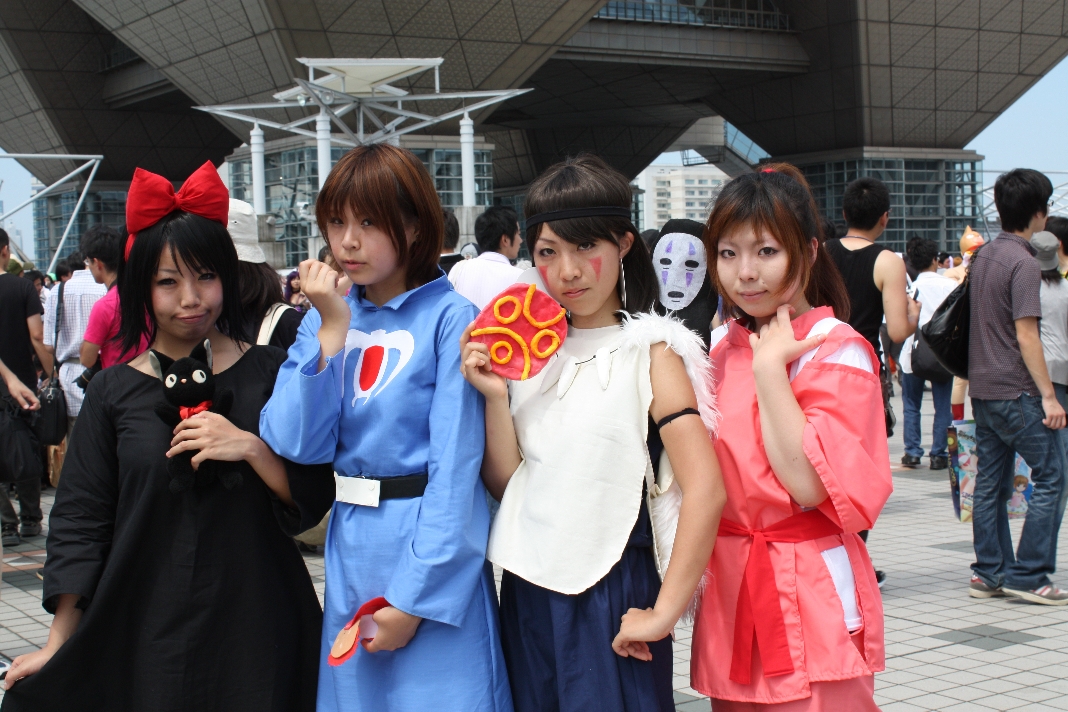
(558, 648)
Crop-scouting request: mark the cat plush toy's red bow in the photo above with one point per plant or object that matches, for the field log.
(151, 198)
(188, 411)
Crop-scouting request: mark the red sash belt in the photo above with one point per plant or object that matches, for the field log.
(759, 593)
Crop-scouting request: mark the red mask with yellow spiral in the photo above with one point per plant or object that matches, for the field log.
(523, 327)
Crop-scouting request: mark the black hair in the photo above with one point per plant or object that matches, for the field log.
(261, 287)
(5, 241)
(1051, 276)
(76, 261)
(104, 243)
(1018, 195)
(920, 253)
(1059, 226)
(864, 202)
(586, 181)
(33, 275)
(942, 257)
(323, 252)
(452, 230)
(827, 228)
(62, 270)
(496, 221)
(650, 238)
(204, 245)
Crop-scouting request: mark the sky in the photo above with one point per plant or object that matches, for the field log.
(1031, 133)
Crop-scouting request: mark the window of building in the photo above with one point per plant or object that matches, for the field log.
(692, 216)
(702, 181)
(665, 206)
(663, 183)
(52, 213)
(663, 193)
(702, 192)
(689, 181)
(691, 204)
(663, 216)
(689, 193)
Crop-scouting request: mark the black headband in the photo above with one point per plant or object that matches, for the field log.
(603, 210)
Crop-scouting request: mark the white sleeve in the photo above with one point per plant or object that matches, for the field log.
(851, 354)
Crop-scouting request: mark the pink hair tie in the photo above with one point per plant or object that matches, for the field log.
(768, 170)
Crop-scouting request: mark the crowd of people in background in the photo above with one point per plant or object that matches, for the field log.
(724, 387)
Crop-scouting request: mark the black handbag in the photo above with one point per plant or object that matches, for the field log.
(19, 458)
(924, 364)
(51, 425)
(946, 334)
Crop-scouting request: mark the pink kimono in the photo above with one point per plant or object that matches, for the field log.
(771, 624)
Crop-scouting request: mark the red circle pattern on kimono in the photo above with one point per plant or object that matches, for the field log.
(523, 327)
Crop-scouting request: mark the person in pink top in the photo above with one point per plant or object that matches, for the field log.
(790, 618)
(99, 347)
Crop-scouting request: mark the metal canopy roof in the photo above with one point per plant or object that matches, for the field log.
(362, 77)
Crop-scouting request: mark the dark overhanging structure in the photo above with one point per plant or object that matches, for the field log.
(894, 88)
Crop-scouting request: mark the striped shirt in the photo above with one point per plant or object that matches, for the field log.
(1005, 283)
(80, 293)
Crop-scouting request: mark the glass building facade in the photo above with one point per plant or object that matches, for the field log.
(51, 214)
(292, 184)
(936, 199)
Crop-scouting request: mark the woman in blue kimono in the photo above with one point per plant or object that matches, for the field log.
(373, 385)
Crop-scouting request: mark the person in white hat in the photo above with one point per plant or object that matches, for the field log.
(273, 321)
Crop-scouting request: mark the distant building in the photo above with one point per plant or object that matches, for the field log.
(677, 192)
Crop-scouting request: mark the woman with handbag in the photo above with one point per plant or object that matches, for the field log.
(579, 532)
(918, 364)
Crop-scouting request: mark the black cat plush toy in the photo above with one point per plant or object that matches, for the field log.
(189, 386)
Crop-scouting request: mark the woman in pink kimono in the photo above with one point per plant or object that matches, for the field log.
(790, 618)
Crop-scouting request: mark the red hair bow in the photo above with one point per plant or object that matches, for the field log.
(152, 197)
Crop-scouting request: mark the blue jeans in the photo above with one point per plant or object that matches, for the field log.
(1003, 428)
(912, 398)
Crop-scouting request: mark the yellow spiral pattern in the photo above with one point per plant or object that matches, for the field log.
(519, 308)
(523, 309)
(501, 359)
(544, 353)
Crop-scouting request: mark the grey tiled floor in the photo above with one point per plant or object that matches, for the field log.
(945, 651)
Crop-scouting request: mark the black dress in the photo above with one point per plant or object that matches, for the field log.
(193, 601)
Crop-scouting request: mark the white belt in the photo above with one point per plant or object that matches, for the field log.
(357, 490)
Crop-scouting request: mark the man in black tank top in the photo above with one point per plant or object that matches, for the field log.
(874, 276)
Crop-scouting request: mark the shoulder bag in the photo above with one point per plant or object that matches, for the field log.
(51, 424)
(946, 334)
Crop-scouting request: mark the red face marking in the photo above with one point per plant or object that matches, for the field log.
(595, 262)
(372, 364)
(544, 272)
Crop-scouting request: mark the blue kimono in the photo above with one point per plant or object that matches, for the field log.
(394, 403)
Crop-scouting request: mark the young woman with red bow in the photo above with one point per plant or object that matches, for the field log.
(190, 600)
(790, 618)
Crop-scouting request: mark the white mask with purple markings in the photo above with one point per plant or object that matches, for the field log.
(681, 264)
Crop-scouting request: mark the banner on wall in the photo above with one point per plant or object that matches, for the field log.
(963, 465)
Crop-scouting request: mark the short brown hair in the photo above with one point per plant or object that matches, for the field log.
(778, 200)
(390, 186)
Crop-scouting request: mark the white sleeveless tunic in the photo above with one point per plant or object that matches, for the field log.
(582, 424)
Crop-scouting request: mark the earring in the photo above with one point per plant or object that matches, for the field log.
(623, 284)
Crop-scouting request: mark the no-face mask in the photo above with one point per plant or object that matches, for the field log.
(681, 266)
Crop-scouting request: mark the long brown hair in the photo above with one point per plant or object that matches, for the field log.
(778, 200)
(390, 186)
(586, 181)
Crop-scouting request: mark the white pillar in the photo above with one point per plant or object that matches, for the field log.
(467, 159)
(322, 142)
(259, 183)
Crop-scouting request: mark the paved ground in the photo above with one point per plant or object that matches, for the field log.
(945, 651)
